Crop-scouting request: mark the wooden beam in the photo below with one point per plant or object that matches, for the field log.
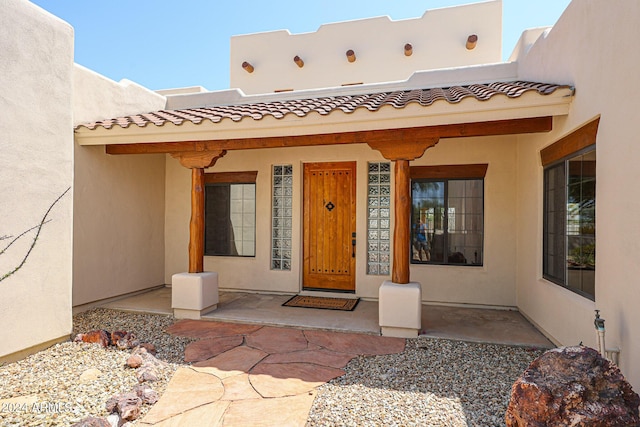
(388, 136)
(475, 171)
(575, 141)
(351, 56)
(408, 49)
(472, 40)
(248, 67)
(247, 177)
(196, 225)
(402, 223)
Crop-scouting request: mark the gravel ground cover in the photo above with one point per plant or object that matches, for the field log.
(51, 379)
(434, 382)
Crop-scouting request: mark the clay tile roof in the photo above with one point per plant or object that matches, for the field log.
(326, 105)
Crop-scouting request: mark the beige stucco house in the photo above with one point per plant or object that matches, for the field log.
(414, 169)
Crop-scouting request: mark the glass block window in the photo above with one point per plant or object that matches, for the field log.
(281, 214)
(378, 218)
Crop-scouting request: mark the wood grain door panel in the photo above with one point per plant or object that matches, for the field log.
(329, 221)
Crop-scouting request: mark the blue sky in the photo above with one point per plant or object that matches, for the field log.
(168, 43)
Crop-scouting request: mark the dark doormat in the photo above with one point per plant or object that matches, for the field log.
(344, 304)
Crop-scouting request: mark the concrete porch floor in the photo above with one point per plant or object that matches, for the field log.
(458, 323)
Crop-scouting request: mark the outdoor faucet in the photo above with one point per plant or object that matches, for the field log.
(599, 324)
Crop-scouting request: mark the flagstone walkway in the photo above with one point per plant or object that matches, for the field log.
(252, 375)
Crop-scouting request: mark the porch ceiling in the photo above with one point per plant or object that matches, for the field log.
(349, 118)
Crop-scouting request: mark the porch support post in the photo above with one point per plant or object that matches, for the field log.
(196, 292)
(197, 161)
(400, 300)
(196, 225)
(401, 234)
(401, 152)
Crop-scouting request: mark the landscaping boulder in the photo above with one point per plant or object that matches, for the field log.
(572, 386)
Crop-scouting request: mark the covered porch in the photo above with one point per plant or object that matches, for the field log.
(480, 325)
(397, 127)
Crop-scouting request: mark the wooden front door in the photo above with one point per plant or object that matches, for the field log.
(329, 226)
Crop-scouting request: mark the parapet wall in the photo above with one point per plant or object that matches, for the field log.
(438, 40)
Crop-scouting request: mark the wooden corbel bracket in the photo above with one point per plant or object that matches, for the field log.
(403, 150)
(198, 159)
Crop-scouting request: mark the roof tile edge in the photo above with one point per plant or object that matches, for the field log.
(459, 76)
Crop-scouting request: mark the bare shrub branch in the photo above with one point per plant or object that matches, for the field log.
(38, 227)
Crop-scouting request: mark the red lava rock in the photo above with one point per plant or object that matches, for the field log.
(99, 336)
(147, 373)
(146, 394)
(92, 422)
(127, 405)
(121, 339)
(572, 386)
(151, 349)
(111, 404)
(134, 361)
(117, 335)
(148, 358)
(124, 340)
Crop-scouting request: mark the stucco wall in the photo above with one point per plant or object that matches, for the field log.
(36, 155)
(590, 48)
(118, 200)
(492, 284)
(97, 97)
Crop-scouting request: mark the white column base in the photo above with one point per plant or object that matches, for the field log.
(193, 294)
(400, 309)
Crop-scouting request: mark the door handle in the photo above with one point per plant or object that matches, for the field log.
(353, 245)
